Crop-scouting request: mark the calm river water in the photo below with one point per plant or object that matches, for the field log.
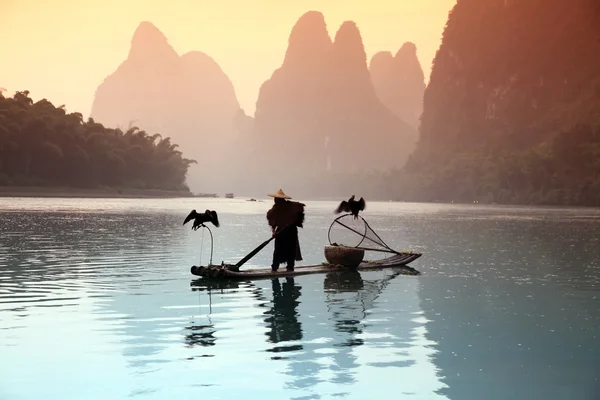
(97, 302)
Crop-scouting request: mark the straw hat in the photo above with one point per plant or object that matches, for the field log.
(279, 194)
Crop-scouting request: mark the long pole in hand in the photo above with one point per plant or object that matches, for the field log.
(259, 248)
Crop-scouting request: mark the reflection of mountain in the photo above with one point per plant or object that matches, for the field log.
(507, 327)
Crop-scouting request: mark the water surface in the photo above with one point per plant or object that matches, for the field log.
(97, 302)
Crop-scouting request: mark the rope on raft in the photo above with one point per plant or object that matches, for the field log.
(368, 230)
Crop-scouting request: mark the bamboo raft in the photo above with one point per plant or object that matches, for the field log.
(229, 272)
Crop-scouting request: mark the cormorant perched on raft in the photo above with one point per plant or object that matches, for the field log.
(352, 206)
(200, 219)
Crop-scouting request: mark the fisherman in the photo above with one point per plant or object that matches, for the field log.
(284, 218)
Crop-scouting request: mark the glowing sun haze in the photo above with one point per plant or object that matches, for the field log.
(63, 49)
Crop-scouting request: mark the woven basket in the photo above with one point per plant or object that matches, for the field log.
(341, 255)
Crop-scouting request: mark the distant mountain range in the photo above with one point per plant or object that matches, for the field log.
(511, 113)
(321, 117)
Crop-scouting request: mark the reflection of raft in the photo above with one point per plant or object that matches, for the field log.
(400, 261)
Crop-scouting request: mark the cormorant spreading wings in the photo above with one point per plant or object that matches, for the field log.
(201, 219)
(352, 206)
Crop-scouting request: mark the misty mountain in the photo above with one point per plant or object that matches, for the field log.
(319, 127)
(188, 98)
(399, 82)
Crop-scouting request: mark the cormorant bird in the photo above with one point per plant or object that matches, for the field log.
(200, 219)
(352, 206)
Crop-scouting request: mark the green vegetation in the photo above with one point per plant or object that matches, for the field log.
(562, 171)
(43, 145)
(512, 113)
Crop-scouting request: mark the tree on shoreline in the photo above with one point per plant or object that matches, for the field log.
(43, 145)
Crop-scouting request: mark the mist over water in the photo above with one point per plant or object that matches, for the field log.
(97, 301)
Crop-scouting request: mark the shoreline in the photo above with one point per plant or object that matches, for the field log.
(66, 192)
(125, 193)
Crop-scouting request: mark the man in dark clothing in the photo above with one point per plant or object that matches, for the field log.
(284, 218)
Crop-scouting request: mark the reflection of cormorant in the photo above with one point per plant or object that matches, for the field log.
(348, 316)
(202, 334)
(207, 285)
(283, 317)
(349, 297)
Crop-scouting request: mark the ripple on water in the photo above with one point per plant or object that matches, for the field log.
(101, 291)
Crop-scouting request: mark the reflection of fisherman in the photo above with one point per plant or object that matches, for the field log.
(288, 215)
(283, 321)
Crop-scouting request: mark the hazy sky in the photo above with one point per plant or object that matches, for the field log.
(63, 49)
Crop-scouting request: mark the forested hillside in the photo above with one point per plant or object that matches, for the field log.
(512, 110)
(41, 144)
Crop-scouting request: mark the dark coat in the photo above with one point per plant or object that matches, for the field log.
(286, 214)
